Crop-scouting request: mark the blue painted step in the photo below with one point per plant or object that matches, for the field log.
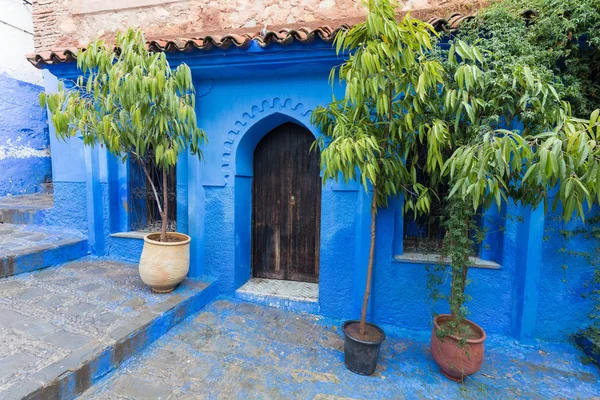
(97, 309)
(289, 295)
(26, 209)
(28, 248)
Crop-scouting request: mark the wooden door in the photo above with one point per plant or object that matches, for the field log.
(286, 203)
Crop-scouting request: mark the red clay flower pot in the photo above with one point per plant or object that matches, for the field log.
(455, 361)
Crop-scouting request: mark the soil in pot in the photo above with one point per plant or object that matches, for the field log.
(171, 237)
(361, 351)
(458, 359)
(372, 333)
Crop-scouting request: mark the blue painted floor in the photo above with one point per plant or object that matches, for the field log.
(233, 349)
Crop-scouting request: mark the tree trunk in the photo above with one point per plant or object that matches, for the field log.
(454, 307)
(459, 281)
(363, 314)
(151, 184)
(163, 215)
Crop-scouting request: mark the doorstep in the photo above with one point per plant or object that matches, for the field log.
(290, 295)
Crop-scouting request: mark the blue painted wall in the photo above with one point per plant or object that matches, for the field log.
(241, 96)
(24, 142)
(564, 309)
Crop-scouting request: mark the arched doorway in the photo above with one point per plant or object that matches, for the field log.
(286, 206)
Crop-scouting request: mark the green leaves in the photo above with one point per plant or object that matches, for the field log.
(544, 146)
(129, 100)
(373, 133)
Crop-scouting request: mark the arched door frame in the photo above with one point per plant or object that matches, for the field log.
(242, 155)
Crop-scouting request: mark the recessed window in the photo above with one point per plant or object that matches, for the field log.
(143, 209)
(425, 233)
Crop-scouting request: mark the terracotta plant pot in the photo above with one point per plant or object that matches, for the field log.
(456, 361)
(163, 265)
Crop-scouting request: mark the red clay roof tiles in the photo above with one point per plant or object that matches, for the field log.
(281, 36)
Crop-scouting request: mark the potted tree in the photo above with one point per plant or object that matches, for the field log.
(493, 163)
(131, 101)
(389, 78)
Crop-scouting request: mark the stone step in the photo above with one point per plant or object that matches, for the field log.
(26, 209)
(66, 327)
(289, 295)
(47, 187)
(26, 248)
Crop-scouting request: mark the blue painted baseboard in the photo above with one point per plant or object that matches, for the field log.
(43, 256)
(310, 307)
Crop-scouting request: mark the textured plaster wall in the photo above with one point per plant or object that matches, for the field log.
(562, 307)
(338, 252)
(401, 294)
(220, 237)
(24, 143)
(70, 208)
(60, 23)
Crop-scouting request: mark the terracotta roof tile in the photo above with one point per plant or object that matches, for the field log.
(283, 36)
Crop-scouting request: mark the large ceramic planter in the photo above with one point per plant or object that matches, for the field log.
(163, 265)
(361, 354)
(457, 361)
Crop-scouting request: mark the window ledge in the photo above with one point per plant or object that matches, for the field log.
(429, 258)
(130, 235)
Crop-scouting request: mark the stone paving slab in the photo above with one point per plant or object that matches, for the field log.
(26, 248)
(64, 327)
(35, 201)
(26, 209)
(237, 350)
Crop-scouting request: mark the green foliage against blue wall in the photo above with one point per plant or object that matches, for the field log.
(557, 38)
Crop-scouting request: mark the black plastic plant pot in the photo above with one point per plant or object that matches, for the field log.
(361, 354)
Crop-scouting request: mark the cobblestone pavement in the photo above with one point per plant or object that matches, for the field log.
(18, 239)
(235, 350)
(66, 311)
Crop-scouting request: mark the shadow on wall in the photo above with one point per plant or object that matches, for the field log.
(24, 141)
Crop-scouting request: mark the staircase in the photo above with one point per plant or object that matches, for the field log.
(26, 209)
(79, 318)
(66, 327)
(26, 244)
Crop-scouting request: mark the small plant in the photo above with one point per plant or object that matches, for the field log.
(132, 102)
(462, 232)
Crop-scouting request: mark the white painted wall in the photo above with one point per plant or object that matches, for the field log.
(16, 40)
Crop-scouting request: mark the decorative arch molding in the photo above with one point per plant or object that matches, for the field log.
(253, 125)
